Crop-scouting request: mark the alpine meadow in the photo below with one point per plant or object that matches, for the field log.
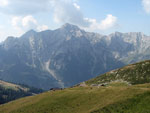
(74, 56)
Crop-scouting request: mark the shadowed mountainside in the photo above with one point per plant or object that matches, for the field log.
(68, 55)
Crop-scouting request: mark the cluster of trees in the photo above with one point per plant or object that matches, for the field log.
(8, 94)
(32, 89)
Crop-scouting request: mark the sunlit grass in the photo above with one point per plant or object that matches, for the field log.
(76, 100)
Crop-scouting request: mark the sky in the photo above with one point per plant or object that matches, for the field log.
(101, 16)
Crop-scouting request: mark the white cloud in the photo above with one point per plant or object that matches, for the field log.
(16, 21)
(146, 5)
(24, 7)
(109, 22)
(27, 22)
(64, 11)
(76, 6)
(68, 11)
(3, 3)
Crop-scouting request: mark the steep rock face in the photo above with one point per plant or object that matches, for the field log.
(130, 47)
(67, 56)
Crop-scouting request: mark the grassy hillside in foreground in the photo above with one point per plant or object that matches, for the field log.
(122, 94)
(137, 104)
(85, 100)
(138, 73)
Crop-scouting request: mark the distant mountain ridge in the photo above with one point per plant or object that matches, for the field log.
(68, 55)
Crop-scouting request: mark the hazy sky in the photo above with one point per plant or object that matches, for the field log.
(102, 16)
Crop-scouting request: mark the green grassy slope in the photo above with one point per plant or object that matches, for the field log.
(126, 95)
(138, 104)
(138, 73)
(82, 100)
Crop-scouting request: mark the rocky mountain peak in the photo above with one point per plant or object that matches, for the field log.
(29, 33)
(69, 27)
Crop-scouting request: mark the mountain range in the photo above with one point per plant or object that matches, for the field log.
(68, 55)
(124, 90)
